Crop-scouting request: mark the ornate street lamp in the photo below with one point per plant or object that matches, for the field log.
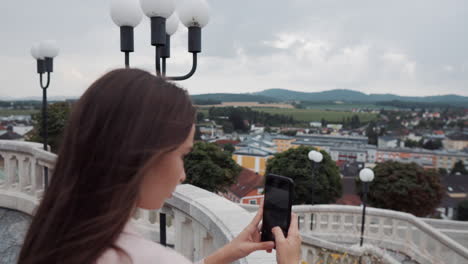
(126, 14)
(366, 175)
(44, 53)
(194, 14)
(315, 158)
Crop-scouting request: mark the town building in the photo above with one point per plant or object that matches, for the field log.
(457, 141)
(248, 189)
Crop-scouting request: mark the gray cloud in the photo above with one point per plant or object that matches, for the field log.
(408, 47)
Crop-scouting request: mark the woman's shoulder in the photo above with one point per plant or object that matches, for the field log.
(140, 250)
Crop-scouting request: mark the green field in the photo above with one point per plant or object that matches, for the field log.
(347, 106)
(7, 112)
(310, 115)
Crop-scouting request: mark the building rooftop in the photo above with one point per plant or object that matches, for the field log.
(246, 182)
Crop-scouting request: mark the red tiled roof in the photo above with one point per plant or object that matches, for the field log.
(247, 181)
(226, 141)
(349, 199)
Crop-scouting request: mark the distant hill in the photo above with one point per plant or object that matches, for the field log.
(224, 97)
(355, 96)
(282, 95)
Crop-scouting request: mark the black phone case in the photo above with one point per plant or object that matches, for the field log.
(267, 235)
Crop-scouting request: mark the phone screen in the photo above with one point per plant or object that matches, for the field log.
(277, 205)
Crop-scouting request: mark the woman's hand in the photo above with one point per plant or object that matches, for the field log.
(288, 250)
(245, 243)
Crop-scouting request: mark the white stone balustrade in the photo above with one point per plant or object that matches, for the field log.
(199, 222)
(397, 231)
(23, 166)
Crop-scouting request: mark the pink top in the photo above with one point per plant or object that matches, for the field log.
(141, 250)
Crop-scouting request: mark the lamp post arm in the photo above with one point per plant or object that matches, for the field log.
(48, 80)
(188, 75)
(163, 64)
(158, 61)
(127, 59)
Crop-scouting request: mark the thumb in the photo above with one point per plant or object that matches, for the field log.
(278, 233)
(268, 245)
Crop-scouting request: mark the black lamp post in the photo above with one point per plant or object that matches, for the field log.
(366, 175)
(194, 14)
(315, 158)
(44, 53)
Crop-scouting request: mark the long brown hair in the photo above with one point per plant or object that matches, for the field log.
(123, 120)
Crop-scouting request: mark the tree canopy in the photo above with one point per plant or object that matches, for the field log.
(462, 211)
(294, 163)
(210, 168)
(57, 117)
(459, 166)
(405, 187)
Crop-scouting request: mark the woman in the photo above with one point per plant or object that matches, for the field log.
(123, 148)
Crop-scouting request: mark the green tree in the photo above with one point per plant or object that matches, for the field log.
(210, 168)
(411, 143)
(405, 187)
(324, 122)
(462, 211)
(443, 171)
(227, 127)
(371, 134)
(459, 166)
(200, 116)
(197, 135)
(294, 163)
(433, 144)
(229, 148)
(57, 117)
(355, 122)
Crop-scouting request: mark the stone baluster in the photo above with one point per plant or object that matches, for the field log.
(307, 223)
(203, 242)
(38, 178)
(9, 170)
(3, 181)
(357, 224)
(342, 223)
(23, 173)
(318, 222)
(395, 230)
(301, 220)
(380, 228)
(327, 223)
(183, 234)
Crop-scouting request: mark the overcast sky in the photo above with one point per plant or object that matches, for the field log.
(405, 47)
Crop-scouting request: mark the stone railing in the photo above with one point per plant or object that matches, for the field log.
(199, 221)
(316, 250)
(23, 166)
(396, 231)
(319, 250)
(393, 231)
(456, 230)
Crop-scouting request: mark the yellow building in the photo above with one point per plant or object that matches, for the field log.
(252, 158)
(283, 143)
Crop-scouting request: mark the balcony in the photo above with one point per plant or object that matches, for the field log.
(200, 222)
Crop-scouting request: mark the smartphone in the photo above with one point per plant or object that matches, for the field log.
(277, 205)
